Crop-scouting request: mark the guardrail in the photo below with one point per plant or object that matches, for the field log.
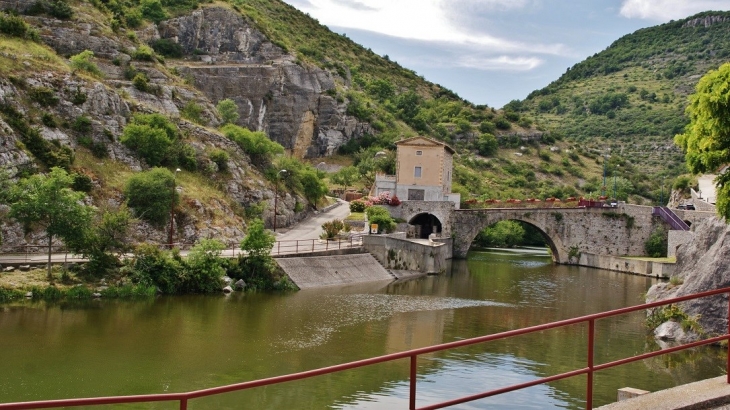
(670, 217)
(294, 247)
(590, 368)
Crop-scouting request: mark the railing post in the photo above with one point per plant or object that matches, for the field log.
(412, 395)
(589, 382)
(313, 242)
(183, 404)
(727, 366)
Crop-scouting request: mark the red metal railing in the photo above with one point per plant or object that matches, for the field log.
(589, 370)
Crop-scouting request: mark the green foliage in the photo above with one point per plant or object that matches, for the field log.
(193, 111)
(345, 176)
(81, 183)
(152, 137)
(44, 96)
(313, 186)
(333, 228)
(675, 313)
(154, 267)
(256, 144)
(706, 139)
(47, 202)
(141, 82)
(106, 240)
(144, 53)
(487, 145)
(150, 194)
(15, 26)
(153, 10)
(167, 48)
(220, 158)
(84, 62)
(656, 245)
(82, 125)
(204, 268)
(52, 154)
(256, 267)
(228, 110)
(503, 234)
(358, 205)
(380, 216)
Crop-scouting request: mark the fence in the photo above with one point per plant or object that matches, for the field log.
(589, 370)
(294, 247)
(670, 217)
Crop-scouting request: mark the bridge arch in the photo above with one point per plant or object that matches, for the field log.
(467, 224)
(425, 224)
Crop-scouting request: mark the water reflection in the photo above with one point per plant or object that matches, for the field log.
(175, 344)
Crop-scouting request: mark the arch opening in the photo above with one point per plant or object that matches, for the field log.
(424, 224)
(502, 236)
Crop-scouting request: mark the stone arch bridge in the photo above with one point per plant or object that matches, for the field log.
(569, 232)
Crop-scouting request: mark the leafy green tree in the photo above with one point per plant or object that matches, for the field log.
(151, 136)
(706, 140)
(256, 266)
(345, 176)
(107, 239)
(313, 186)
(256, 144)
(152, 10)
(48, 202)
(656, 245)
(380, 216)
(228, 110)
(150, 194)
(487, 145)
(503, 234)
(204, 267)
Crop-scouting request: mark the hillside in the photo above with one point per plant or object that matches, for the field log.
(628, 101)
(74, 75)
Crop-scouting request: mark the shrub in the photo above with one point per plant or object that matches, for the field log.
(257, 267)
(502, 124)
(141, 82)
(192, 112)
(13, 25)
(203, 268)
(358, 205)
(228, 110)
(256, 144)
(83, 62)
(150, 143)
(381, 217)
(167, 48)
(59, 9)
(153, 10)
(150, 194)
(333, 228)
(154, 267)
(656, 245)
(48, 120)
(82, 183)
(144, 53)
(44, 96)
(220, 158)
(82, 125)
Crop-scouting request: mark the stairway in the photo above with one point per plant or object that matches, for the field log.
(670, 217)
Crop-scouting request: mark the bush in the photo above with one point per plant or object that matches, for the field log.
(656, 245)
(333, 228)
(13, 25)
(44, 96)
(204, 268)
(167, 48)
(150, 194)
(503, 234)
(83, 62)
(154, 267)
(153, 10)
(220, 158)
(144, 53)
(257, 268)
(152, 137)
(192, 112)
(358, 205)
(82, 183)
(256, 144)
(381, 217)
(82, 125)
(141, 82)
(228, 110)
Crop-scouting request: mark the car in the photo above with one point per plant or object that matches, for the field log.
(689, 207)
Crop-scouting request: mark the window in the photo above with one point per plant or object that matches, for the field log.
(417, 173)
(419, 153)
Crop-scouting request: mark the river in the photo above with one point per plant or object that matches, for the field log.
(171, 344)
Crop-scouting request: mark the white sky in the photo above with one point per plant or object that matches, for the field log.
(494, 51)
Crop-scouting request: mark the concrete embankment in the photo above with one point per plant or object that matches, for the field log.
(319, 271)
(705, 394)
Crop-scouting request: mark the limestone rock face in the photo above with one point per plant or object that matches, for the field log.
(702, 264)
(273, 93)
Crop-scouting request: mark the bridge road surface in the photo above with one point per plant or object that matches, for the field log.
(307, 229)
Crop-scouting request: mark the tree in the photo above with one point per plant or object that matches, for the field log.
(48, 202)
(487, 144)
(313, 186)
(228, 110)
(257, 266)
(503, 234)
(4, 192)
(151, 136)
(256, 144)
(150, 194)
(706, 139)
(345, 176)
(107, 239)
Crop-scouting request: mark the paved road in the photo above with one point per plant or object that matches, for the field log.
(707, 187)
(311, 228)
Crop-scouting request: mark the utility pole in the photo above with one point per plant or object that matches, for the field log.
(276, 194)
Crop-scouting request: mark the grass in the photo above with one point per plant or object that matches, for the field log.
(669, 259)
(15, 53)
(356, 216)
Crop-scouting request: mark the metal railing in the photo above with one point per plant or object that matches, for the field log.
(303, 246)
(670, 217)
(589, 370)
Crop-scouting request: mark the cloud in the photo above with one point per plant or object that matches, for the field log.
(665, 10)
(500, 63)
(423, 20)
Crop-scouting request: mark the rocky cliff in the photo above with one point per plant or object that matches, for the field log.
(702, 264)
(229, 58)
(273, 93)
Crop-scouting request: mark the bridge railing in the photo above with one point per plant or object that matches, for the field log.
(303, 246)
(590, 368)
(670, 217)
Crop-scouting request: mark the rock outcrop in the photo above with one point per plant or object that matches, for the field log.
(292, 103)
(702, 264)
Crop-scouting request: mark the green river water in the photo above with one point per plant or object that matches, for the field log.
(172, 344)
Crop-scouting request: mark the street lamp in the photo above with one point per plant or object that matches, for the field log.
(172, 207)
(276, 194)
(661, 201)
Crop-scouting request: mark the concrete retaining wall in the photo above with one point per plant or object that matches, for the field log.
(676, 239)
(627, 265)
(321, 271)
(395, 252)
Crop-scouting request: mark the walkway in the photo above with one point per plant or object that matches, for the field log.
(705, 394)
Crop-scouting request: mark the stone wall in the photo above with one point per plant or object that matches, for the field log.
(627, 265)
(442, 210)
(396, 252)
(676, 239)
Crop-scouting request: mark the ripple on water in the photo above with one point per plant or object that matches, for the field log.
(350, 310)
